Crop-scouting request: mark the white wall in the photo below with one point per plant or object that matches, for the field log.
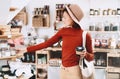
(4, 14)
(84, 4)
(41, 3)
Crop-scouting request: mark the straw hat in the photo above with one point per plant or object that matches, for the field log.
(75, 12)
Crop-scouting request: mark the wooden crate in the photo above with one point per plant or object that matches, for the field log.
(41, 21)
(37, 21)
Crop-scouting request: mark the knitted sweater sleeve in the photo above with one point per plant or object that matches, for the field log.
(45, 44)
(90, 55)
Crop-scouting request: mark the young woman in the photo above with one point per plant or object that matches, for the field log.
(71, 35)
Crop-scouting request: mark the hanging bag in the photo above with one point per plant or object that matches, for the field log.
(87, 67)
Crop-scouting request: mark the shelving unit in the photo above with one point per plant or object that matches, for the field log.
(45, 59)
(104, 26)
(98, 51)
(22, 16)
(111, 52)
(7, 37)
(41, 17)
(19, 5)
(42, 58)
(59, 15)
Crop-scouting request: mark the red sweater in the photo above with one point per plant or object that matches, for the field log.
(71, 39)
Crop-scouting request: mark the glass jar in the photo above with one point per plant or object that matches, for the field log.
(115, 27)
(7, 53)
(12, 51)
(3, 44)
(118, 43)
(92, 27)
(106, 26)
(112, 43)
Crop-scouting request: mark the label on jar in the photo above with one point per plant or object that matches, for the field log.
(104, 43)
(7, 53)
(97, 43)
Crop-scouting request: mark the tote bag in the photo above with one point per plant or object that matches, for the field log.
(87, 67)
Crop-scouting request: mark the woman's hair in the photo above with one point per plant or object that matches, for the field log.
(75, 25)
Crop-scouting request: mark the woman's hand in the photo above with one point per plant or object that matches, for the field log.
(82, 53)
(20, 51)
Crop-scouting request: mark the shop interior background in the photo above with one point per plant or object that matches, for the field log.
(44, 32)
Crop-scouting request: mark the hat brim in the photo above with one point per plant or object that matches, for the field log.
(75, 12)
(71, 14)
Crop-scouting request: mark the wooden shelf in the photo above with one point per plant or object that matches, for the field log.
(41, 52)
(12, 8)
(113, 69)
(60, 9)
(100, 67)
(13, 36)
(28, 63)
(114, 54)
(9, 57)
(102, 32)
(54, 48)
(95, 50)
(42, 66)
(106, 50)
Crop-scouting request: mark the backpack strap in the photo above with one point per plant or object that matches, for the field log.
(84, 46)
(84, 39)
